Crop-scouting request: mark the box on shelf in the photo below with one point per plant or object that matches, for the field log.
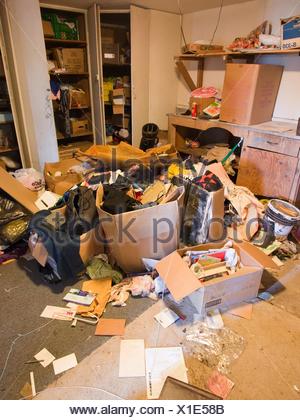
(202, 103)
(79, 125)
(63, 27)
(7, 136)
(290, 32)
(47, 29)
(107, 35)
(250, 92)
(118, 109)
(221, 292)
(72, 59)
(147, 234)
(79, 94)
(110, 53)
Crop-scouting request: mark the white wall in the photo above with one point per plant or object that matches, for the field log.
(164, 43)
(239, 20)
(24, 36)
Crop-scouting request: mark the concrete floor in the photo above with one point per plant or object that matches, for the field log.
(268, 368)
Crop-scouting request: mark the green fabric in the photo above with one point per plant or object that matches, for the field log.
(98, 269)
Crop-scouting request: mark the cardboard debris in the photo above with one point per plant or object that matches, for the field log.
(132, 359)
(17, 191)
(102, 289)
(219, 384)
(111, 327)
(64, 363)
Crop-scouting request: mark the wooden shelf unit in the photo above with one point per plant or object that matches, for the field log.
(248, 55)
(70, 77)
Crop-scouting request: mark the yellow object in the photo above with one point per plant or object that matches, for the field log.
(175, 170)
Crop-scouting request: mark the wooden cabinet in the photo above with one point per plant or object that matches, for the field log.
(267, 173)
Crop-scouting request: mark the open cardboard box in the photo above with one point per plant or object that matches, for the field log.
(61, 184)
(221, 292)
(152, 232)
(91, 244)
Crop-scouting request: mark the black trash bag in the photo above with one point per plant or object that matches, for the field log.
(15, 230)
(9, 210)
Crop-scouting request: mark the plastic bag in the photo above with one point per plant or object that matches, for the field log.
(217, 348)
(14, 231)
(30, 178)
(9, 210)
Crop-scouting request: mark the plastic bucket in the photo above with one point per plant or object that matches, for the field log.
(283, 217)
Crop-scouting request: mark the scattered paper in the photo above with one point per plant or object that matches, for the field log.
(72, 306)
(219, 384)
(166, 317)
(47, 200)
(243, 311)
(266, 296)
(214, 319)
(55, 312)
(64, 363)
(32, 382)
(44, 357)
(80, 297)
(160, 363)
(110, 327)
(132, 358)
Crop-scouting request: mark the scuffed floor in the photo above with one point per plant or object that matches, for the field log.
(268, 368)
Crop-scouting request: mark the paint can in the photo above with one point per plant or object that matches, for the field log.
(282, 216)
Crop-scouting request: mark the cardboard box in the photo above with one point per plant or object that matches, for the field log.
(79, 125)
(118, 109)
(47, 29)
(17, 191)
(202, 103)
(61, 184)
(110, 54)
(152, 232)
(107, 35)
(290, 32)
(79, 96)
(250, 92)
(72, 59)
(221, 292)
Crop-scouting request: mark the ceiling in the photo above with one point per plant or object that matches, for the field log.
(187, 6)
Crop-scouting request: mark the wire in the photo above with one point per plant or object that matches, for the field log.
(76, 387)
(14, 342)
(217, 24)
(181, 27)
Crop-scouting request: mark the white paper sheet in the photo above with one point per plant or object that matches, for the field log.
(55, 312)
(132, 358)
(47, 200)
(44, 357)
(160, 363)
(64, 363)
(166, 317)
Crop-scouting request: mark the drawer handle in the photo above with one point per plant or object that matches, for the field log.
(273, 143)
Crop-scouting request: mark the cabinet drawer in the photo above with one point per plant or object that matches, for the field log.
(267, 173)
(276, 144)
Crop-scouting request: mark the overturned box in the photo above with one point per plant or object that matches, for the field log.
(221, 292)
(151, 232)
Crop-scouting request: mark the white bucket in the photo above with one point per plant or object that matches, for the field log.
(284, 216)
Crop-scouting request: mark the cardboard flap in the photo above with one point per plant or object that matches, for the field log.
(171, 269)
(264, 260)
(17, 191)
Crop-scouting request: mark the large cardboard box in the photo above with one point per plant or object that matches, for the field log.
(250, 92)
(221, 292)
(79, 125)
(72, 59)
(290, 32)
(61, 184)
(151, 232)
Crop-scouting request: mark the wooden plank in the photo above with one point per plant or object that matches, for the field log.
(185, 74)
(267, 173)
(200, 73)
(234, 53)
